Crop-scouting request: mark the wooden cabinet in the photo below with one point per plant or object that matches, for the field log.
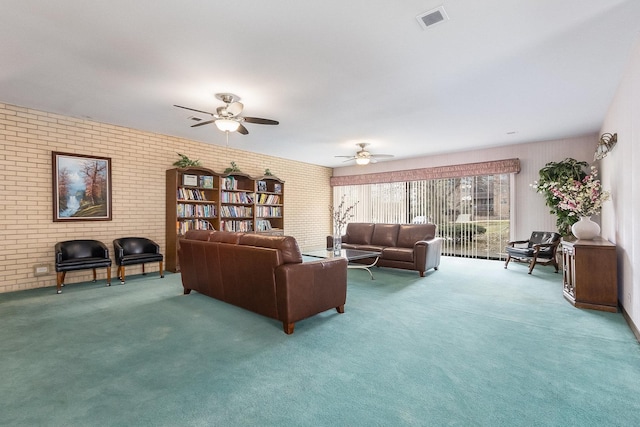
(201, 199)
(589, 276)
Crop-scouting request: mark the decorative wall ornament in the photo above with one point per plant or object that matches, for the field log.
(605, 145)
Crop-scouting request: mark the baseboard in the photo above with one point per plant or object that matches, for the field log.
(632, 325)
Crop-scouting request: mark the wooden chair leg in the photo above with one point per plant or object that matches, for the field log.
(94, 275)
(108, 275)
(161, 270)
(143, 272)
(532, 264)
(59, 281)
(121, 274)
(507, 261)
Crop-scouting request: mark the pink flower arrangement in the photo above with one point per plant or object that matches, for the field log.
(580, 198)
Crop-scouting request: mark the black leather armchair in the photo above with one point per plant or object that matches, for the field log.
(136, 250)
(74, 255)
(541, 248)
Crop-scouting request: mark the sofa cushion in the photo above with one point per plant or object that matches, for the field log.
(385, 235)
(198, 235)
(398, 254)
(287, 245)
(359, 233)
(225, 237)
(409, 234)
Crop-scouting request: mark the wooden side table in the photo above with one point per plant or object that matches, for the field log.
(590, 274)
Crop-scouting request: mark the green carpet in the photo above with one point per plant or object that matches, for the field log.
(472, 344)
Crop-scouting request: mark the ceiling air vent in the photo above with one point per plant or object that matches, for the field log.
(195, 119)
(432, 17)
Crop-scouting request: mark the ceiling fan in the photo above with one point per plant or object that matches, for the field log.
(364, 157)
(227, 117)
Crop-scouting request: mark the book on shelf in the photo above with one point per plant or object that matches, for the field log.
(191, 194)
(263, 225)
(193, 224)
(229, 183)
(206, 181)
(269, 199)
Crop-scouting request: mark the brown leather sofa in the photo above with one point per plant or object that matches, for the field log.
(406, 246)
(263, 274)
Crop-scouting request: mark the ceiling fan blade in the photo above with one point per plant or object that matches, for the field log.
(243, 130)
(381, 156)
(260, 121)
(348, 160)
(203, 123)
(193, 109)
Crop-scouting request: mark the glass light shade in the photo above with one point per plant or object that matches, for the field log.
(227, 125)
(363, 160)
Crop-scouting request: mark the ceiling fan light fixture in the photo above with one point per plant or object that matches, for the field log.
(227, 125)
(363, 161)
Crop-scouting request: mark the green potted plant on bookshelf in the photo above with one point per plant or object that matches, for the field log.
(185, 162)
(233, 168)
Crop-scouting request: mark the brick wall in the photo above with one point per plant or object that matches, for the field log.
(138, 163)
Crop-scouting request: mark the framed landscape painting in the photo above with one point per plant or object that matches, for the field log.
(81, 187)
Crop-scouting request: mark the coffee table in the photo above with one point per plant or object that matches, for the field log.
(350, 255)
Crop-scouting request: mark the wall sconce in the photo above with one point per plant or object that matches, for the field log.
(606, 144)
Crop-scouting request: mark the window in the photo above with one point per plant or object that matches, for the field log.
(471, 213)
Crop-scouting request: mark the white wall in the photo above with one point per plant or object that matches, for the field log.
(530, 213)
(621, 174)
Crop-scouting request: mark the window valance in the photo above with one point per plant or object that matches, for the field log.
(454, 171)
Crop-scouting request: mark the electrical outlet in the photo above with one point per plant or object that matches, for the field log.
(41, 270)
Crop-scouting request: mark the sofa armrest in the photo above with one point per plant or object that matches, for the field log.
(308, 288)
(427, 254)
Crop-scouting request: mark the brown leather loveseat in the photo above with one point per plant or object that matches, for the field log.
(263, 274)
(406, 246)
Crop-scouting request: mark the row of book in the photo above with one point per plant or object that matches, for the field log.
(242, 226)
(240, 197)
(263, 225)
(263, 211)
(268, 199)
(236, 211)
(191, 194)
(187, 210)
(194, 224)
(229, 183)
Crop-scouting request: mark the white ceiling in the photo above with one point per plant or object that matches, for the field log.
(333, 72)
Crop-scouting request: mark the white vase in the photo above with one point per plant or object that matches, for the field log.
(585, 229)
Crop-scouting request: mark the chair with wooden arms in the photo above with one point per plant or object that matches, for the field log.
(539, 249)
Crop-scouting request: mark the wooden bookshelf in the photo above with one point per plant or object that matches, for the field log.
(193, 196)
(237, 200)
(202, 199)
(269, 205)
